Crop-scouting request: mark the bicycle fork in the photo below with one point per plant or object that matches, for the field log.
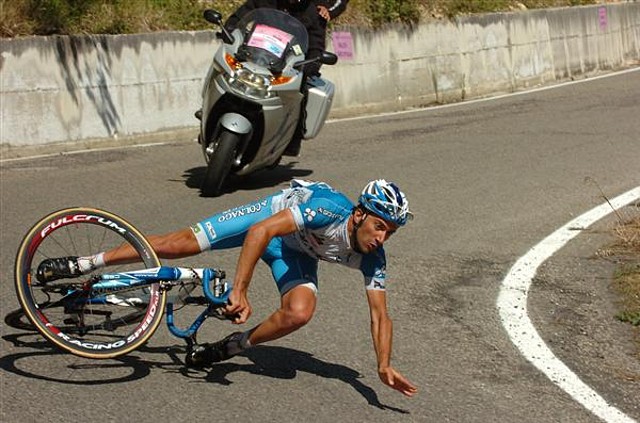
(215, 298)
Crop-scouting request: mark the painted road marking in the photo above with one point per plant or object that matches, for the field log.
(87, 150)
(512, 305)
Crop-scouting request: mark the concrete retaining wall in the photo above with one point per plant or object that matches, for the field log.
(74, 89)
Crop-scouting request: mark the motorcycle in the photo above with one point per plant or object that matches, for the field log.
(253, 94)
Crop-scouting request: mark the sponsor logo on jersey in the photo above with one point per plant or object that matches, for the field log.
(212, 232)
(378, 284)
(242, 211)
(328, 213)
(309, 214)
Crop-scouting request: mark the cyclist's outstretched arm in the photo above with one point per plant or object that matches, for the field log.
(382, 333)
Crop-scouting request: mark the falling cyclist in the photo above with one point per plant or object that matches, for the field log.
(290, 231)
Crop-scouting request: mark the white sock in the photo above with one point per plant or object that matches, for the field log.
(89, 263)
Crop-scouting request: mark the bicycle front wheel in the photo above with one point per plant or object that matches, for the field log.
(65, 311)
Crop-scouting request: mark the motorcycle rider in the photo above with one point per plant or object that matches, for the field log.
(330, 9)
(305, 11)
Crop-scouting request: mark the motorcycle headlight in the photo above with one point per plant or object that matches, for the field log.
(250, 84)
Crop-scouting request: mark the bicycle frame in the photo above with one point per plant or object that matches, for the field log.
(107, 284)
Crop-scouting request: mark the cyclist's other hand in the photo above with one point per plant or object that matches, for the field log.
(390, 377)
(238, 308)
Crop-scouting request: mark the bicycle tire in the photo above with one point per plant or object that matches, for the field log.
(95, 327)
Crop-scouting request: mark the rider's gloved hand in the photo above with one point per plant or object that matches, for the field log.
(313, 69)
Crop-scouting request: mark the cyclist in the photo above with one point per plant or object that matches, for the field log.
(291, 231)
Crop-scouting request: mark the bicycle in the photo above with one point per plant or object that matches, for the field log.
(108, 314)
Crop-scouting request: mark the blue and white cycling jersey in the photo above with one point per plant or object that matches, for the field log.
(321, 215)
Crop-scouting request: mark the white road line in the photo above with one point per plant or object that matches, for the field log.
(89, 150)
(512, 306)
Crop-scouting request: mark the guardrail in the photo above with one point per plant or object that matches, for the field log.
(97, 89)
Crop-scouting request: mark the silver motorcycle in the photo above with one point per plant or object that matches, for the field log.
(253, 94)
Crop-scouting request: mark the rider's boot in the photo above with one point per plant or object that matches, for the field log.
(204, 355)
(52, 269)
(293, 148)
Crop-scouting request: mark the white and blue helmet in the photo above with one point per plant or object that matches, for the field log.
(386, 200)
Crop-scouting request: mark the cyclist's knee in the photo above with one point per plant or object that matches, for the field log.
(298, 307)
(296, 318)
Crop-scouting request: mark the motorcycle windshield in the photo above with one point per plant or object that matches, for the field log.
(270, 37)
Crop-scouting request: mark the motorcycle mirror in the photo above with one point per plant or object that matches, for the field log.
(328, 58)
(213, 16)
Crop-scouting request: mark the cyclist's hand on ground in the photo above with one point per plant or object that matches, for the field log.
(390, 377)
(238, 307)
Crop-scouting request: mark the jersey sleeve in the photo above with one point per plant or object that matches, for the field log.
(320, 211)
(374, 270)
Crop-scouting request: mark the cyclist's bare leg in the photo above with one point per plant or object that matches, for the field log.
(296, 310)
(176, 244)
(182, 243)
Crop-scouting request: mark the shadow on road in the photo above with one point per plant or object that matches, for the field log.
(284, 363)
(47, 363)
(277, 362)
(261, 179)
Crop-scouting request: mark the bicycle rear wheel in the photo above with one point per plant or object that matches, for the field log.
(64, 311)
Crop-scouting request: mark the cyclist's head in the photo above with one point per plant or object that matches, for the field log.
(384, 199)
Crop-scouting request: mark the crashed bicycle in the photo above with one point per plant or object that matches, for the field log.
(105, 315)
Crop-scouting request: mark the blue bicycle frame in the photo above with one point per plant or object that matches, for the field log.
(168, 277)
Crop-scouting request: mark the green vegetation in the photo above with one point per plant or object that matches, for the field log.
(625, 252)
(47, 17)
(627, 278)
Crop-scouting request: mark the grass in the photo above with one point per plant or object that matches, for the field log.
(48, 17)
(625, 252)
(627, 278)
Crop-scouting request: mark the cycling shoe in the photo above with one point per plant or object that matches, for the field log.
(58, 268)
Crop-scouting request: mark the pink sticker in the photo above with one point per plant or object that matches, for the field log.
(602, 16)
(342, 45)
(270, 39)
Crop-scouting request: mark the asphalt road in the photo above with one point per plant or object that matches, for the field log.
(487, 181)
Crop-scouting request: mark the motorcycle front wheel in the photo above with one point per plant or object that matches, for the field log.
(220, 161)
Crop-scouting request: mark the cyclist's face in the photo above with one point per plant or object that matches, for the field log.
(373, 232)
